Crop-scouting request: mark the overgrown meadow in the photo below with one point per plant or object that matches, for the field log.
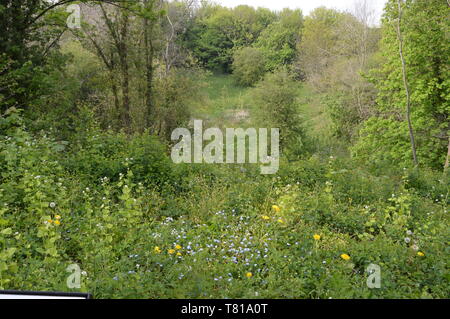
(140, 226)
(86, 176)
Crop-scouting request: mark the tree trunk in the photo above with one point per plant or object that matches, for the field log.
(448, 157)
(123, 56)
(167, 58)
(149, 56)
(405, 83)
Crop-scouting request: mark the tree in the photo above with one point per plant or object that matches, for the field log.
(179, 16)
(279, 40)
(218, 32)
(149, 20)
(318, 48)
(124, 40)
(210, 38)
(405, 83)
(174, 96)
(110, 41)
(276, 98)
(249, 66)
(31, 30)
(448, 156)
(424, 31)
(26, 42)
(334, 54)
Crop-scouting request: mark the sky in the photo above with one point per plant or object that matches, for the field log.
(306, 5)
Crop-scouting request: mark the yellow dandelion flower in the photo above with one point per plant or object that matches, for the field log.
(57, 222)
(276, 208)
(249, 275)
(420, 254)
(49, 221)
(345, 257)
(177, 247)
(265, 217)
(171, 251)
(316, 237)
(157, 250)
(178, 254)
(280, 221)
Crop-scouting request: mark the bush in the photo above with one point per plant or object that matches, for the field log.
(248, 66)
(109, 154)
(276, 98)
(174, 97)
(278, 41)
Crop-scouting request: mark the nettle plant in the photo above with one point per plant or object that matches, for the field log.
(30, 184)
(7, 266)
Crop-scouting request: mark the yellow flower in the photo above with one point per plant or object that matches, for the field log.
(57, 222)
(276, 208)
(345, 257)
(178, 254)
(265, 217)
(157, 250)
(177, 247)
(171, 251)
(280, 221)
(420, 254)
(249, 275)
(57, 217)
(49, 221)
(317, 237)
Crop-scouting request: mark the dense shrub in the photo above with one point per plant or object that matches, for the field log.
(248, 66)
(278, 42)
(108, 154)
(77, 192)
(277, 107)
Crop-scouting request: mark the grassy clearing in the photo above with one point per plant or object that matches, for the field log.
(225, 103)
(222, 97)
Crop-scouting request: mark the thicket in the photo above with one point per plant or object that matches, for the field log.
(86, 178)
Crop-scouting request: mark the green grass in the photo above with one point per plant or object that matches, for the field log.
(223, 101)
(222, 97)
(313, 111)
(317, 123)
(226, 104)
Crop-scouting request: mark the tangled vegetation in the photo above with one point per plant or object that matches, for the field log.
(86, 176)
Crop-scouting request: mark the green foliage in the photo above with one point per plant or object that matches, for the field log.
(109, 155)
(220, 31)
(176, 94)
(426, 55)
(319, 37)
(334, 55)
(134, 240)
(344, 120)
(26, 189)
(26, 46)
(279, 40)
(249, 66)
(395, 146)
(276, 99)
(75, 189)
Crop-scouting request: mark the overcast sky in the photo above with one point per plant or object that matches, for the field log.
(305, 5)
